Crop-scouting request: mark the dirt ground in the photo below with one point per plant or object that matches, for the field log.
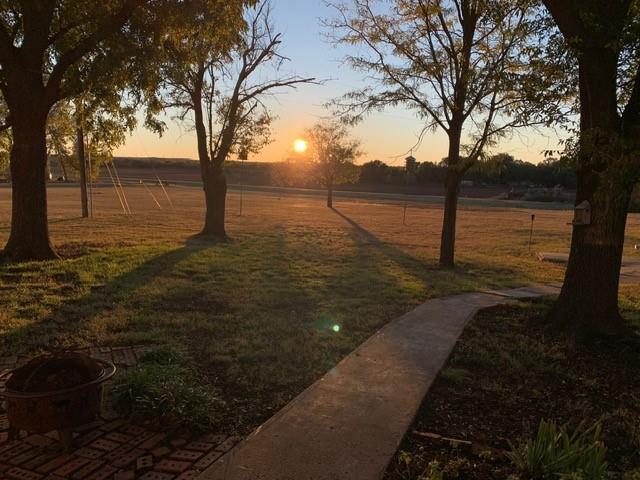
(507, 373)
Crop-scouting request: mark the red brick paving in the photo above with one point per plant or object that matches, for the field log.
(200, 446)
(207, 460)
(188, 475)
(88, 468)
(172, 466)
(161, 451)
(150, 460)
(107, 450)
(187, 455)
(157, 476)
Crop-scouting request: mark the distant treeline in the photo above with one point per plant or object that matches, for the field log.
(501, 172)
(501, 169)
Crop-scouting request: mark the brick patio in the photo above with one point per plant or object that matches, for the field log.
(110, 448)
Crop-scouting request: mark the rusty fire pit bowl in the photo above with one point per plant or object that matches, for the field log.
(56, 392)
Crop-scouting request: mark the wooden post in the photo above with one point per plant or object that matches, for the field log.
(82, 165)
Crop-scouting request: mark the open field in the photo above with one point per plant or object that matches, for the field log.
(265, 314)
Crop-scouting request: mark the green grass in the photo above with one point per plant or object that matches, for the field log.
(265, 315)
(165, 390)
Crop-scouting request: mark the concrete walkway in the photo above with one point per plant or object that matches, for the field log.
(349, 424)
(629, 272)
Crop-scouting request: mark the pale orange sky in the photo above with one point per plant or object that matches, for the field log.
(385, 136)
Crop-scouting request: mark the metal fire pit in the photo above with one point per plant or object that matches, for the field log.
(61, 410)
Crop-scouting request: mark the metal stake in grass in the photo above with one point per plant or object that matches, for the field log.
(533, 217)
(115, 187)
(165, 192)
(124, 197)
(151, 193)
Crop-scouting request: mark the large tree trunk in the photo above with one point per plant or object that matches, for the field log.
(588, 303)
(29, 238)
(82, 165)
(448, 239)
(215, 192)
(214, 181)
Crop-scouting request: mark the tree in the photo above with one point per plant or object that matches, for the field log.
(219, 76)
(294, 172)
(47, 49)
(460, 64)
(604, 41)
(375, 172)
(101, 121)
(60, 131)
(332, 154)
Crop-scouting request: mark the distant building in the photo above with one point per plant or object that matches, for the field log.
(410, 167)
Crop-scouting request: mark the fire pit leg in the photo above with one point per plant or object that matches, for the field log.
(66, 438)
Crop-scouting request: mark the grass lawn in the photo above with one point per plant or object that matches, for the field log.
(264, 315)
(505, 375)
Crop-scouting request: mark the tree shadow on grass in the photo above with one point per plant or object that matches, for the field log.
(263, 317)
(66, 321)
(437, 281)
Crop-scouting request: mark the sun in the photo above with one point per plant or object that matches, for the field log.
(300, 145)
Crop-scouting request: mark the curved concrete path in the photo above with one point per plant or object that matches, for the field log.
(629, 271)
(349, 424)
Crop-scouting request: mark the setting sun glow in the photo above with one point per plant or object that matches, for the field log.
(300, 145)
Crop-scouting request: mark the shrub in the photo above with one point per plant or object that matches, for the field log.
(554, 453)
(433, 472)
(632, 475)
(163, 355)
(457, 376)
(164, 391)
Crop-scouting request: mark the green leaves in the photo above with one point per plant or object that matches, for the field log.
(162, 388)
(554, 453)
(218, 74)
(462, 66)
(333, 153)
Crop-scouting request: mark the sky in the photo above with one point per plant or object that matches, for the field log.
(386, 136)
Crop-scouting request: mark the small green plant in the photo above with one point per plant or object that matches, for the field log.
(632, 475)
(162, 355)
(161, 389)
(456, 468)
(433, 471)
(554, 453)
(457, 376)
